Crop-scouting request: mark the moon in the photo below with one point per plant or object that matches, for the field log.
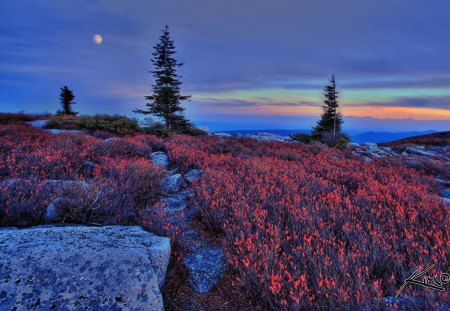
(97, 39)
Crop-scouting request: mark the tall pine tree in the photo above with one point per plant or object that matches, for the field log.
(330, 123)
(165, 102)
(66, 98)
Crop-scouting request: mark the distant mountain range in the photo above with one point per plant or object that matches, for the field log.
(357, 137)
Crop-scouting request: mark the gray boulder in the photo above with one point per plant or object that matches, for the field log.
(38, 123)
(172, 183)
(174, 204)
(160, 159)
(444, 182)
(82, 268)
(193, 175)
(206, 268)
(55, 210)
(420, 152)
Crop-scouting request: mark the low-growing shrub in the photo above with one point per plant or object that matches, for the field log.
(37, 168)
(317, 230)
(116, 124)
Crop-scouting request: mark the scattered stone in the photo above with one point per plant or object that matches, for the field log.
(160, 159)
(269, 137)
(174, 204)
(445, 193)
(58, 131)
(419, 152)
(223, 134)
(370, 146)
(173, 183)
(353, 145)
(193, 175)
(205, 268)
(82, 268)
(61, 184)
(444, 182)
(172, 171)
(106, 141)
(56, 210)
(38, 123)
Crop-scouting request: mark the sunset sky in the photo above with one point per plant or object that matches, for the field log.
(248, 63)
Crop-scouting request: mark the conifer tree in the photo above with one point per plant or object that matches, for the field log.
(66, 98)
(330, 123)
(165, 102)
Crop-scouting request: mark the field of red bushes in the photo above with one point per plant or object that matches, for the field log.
(304, 226)
(309, 227)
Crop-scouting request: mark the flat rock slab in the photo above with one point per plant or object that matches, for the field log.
(160, 158)
(82, 268)
(173, 183)
(206, 268)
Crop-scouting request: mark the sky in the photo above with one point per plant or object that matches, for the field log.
(248, 64)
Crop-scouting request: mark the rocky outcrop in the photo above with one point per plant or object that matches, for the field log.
(55, 210)
(419, 150)
(206, 268)
(160, 159)
(193, 175)
(269, 137)
(82, 268)
(174, 204)
(173, 183)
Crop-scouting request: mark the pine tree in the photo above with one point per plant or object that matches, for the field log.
(66, 98)
(330, 124)
(165, 102)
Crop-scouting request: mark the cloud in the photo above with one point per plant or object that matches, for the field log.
(413, 102)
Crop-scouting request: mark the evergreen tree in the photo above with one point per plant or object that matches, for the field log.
(165, 102)
(66, 98)
(330, 124)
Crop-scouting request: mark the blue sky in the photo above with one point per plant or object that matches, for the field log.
(247, 63)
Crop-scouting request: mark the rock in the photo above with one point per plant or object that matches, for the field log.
(444, 182)
(174, 204)
(160, 159)
(223, 134)
(446, 200)
(173, 171)
(419, 152)
(269, 137)
(370, 146)
(82, 268)
(445, 193)
(56, 210)
(106, 141)
(61, 185)
(206, 268)
(367, 159)
(38, 123)
(172, 183)
(58, 131)
(353, 145)
(193, 175)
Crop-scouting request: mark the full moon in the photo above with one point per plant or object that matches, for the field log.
(97, 39)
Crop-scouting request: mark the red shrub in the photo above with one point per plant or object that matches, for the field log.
(317, 230)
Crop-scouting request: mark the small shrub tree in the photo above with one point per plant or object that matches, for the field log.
(66, 98)
(331, 120)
